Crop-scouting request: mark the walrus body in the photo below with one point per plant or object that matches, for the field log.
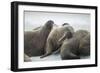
(76, 46)
(34, 41)
(84, 47)
(55, 35)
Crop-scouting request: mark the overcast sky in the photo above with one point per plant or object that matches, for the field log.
(34, 19)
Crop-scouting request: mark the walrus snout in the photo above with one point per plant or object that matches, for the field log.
(49, 24)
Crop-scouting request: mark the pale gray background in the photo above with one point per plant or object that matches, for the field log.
(35, 19)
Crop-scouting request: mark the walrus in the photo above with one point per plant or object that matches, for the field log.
(78, 45)
(34, 41)
(56, 34)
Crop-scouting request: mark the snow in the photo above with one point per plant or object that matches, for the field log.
(53, 57)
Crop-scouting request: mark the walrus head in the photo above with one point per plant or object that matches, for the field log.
(49, 24)
(65, 24)
(68, 30)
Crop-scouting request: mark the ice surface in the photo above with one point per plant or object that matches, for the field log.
(52, 57)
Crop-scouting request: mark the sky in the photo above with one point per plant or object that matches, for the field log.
(33, 19)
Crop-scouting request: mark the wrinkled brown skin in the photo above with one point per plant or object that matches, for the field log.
(76, 46)
(55, 35)
(34, 41)
(84, 47)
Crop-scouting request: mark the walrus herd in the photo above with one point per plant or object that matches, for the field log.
(50, 38)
